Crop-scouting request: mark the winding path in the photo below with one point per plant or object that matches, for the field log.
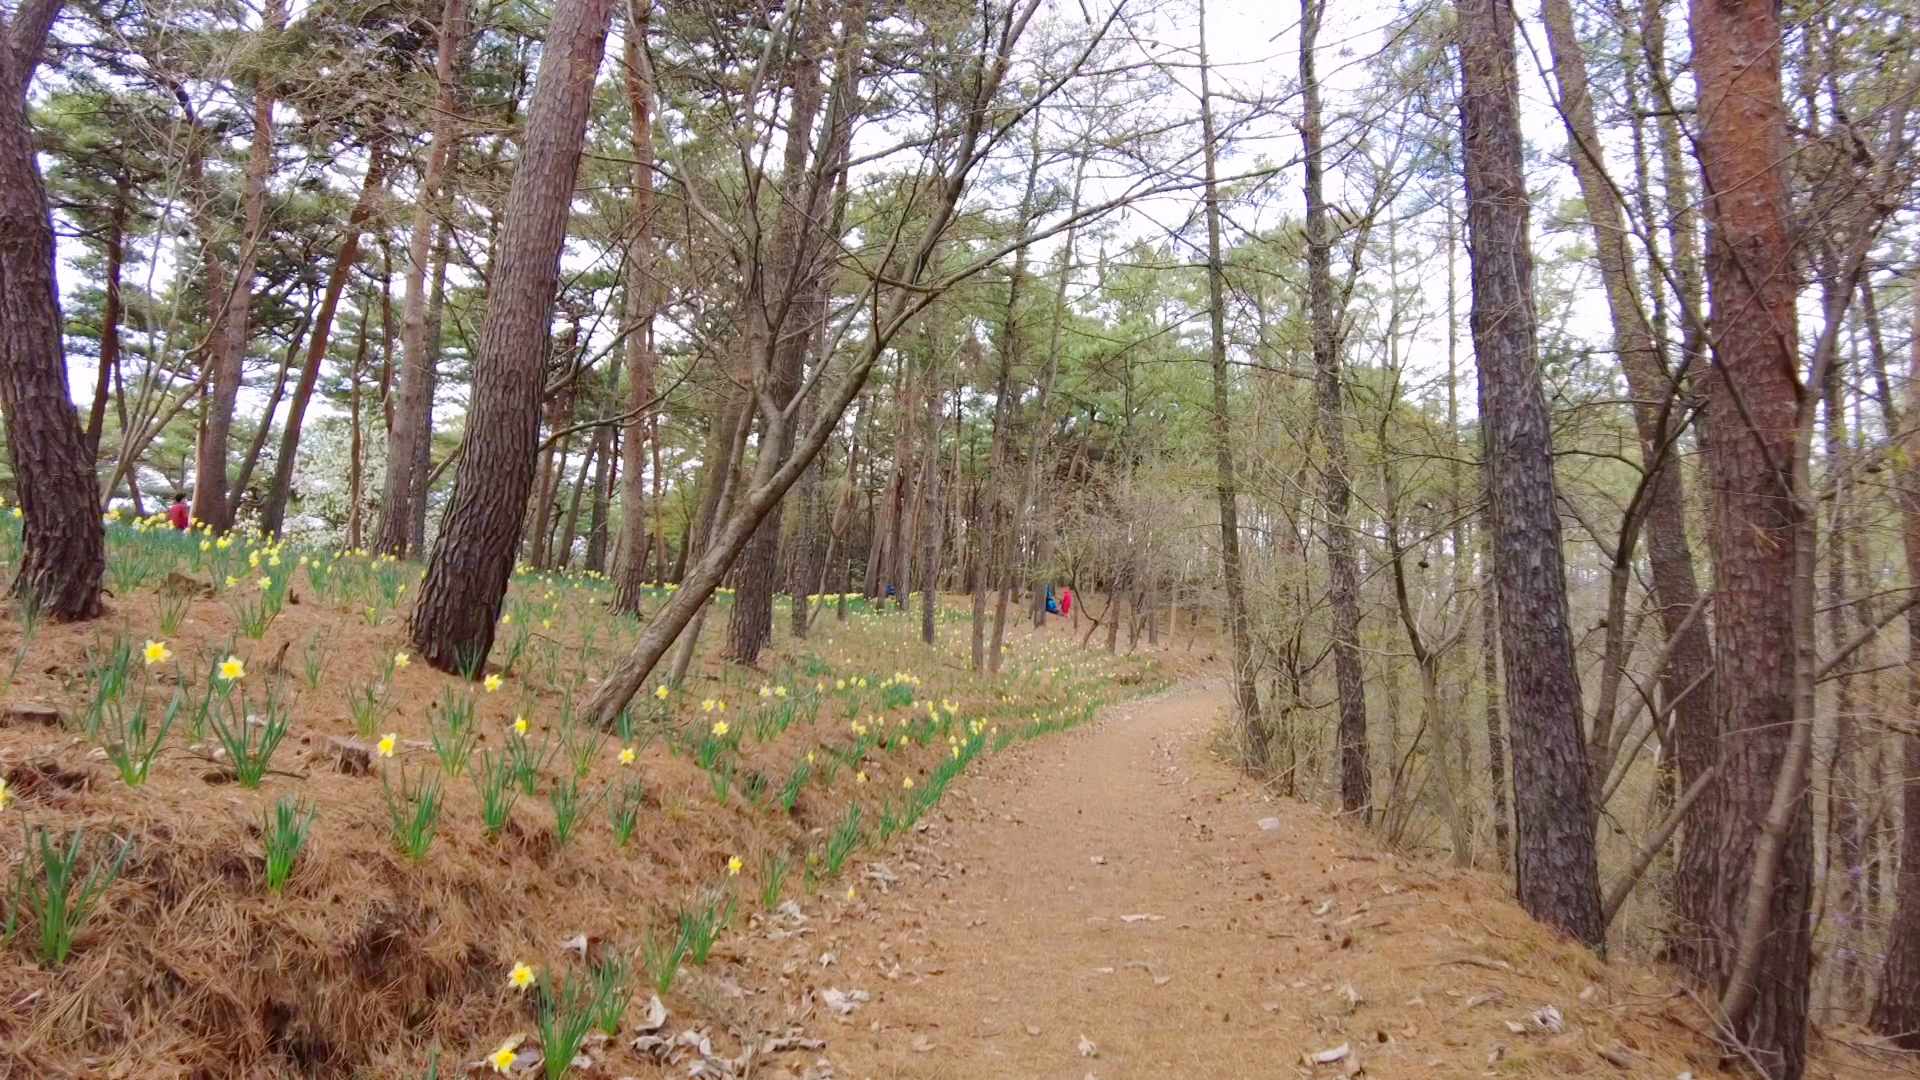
(1107, 903)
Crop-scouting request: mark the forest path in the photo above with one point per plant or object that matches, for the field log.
(1115, 883)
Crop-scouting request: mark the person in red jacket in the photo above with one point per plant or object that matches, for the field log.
(1066, 600)
(177, 513)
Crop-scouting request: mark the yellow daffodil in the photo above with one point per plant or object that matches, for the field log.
(809, 757)
(232, 669)
(720, 705)
(232, 581)
(401, 660)
(520, 977)
(626, 755)
(519, 725)
(839, 684)
(860, 778)
(5, 795)
(266, 583)
(779, 691)
(851, 895)
(491, 682)
(661, 693)
(733, 866)
(502, 1059)
(387, 743)
(907, 783)
(157, 652)
(707, 705)
(719, 727)
(766, 691)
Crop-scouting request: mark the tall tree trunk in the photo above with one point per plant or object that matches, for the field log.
(423, 471)
(273, 514)
(213, 503)
(930, 516)
(1896, 1010)
(1555, 873)
(63, 549)
(1755, 404)
(637, 298)
(356, 437)
(1343, 585)
(459, 605)
(1245, 694)
(109, 313)
(413, 414)
(780, 291)
(603, 452)
(1657, 408)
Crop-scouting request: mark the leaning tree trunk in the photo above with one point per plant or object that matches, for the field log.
(413, 417)
(466, 579)
(1896, 1011)
(1554, 869)
(63, 546)
(1754, 399)
(1343, 577)
(273, 513)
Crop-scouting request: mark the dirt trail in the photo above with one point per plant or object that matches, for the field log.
(1016, 928)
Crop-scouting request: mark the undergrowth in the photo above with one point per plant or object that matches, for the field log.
(489, 820)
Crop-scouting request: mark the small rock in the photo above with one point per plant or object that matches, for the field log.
(1269, 824)
(1087, 1047)
(1098, 860)
(1031, 1030)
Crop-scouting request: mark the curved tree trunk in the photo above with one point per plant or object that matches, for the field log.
(63, 546)
(274, 512)
(1555, 874)
(466, 580)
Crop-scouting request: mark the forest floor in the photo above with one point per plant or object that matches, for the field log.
(1116, 902)
(859, 860)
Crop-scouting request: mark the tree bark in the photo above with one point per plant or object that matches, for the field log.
(1555, 873)
(273, 514)
(413, 416)
(1343, 585)
(1896, 1009)
(1755, 403)
(459, 605)
(63, 552)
